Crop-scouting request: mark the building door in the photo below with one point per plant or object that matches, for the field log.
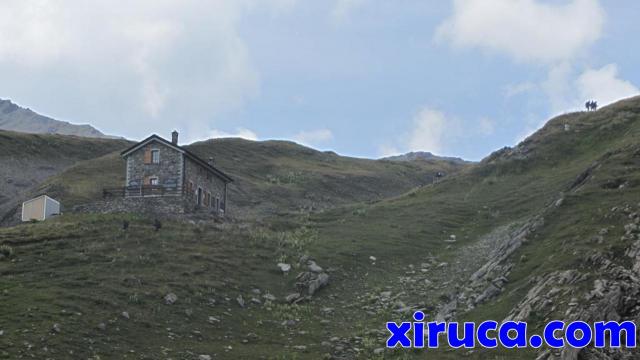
(199, 197)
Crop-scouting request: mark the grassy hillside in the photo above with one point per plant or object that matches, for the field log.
(275, 176)
(269, 176)
(540, 231)
(28, 159)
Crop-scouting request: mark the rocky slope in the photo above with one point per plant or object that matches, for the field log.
(16, 118)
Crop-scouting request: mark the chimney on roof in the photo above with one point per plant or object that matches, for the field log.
(174, 137)
(210, 161)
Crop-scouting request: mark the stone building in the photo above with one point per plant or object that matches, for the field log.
(160, 168)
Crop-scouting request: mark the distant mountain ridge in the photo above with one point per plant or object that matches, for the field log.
(424, 155)
(16, 118)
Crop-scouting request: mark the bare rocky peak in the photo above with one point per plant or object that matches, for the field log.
(16, 118)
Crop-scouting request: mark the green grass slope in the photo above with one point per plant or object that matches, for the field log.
(269, 176)
(276, 176)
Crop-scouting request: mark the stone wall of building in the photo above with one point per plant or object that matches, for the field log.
(168, 171)
(162, 206)
(207, 181)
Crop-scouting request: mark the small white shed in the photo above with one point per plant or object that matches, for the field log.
(40, 208)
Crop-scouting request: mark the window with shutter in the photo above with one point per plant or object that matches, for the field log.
(147, 156)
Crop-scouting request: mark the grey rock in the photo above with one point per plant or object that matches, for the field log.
(255, 300)
(284, 267)
(170, 298)
(319, 282)
(289, 323)
(313, 267)
(292, 297)
(490, 292)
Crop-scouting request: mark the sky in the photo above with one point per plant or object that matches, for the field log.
(366, 78)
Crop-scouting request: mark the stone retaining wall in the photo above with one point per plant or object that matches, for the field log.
(156, 205)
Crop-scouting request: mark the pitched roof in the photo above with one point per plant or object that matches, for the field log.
(181, 149)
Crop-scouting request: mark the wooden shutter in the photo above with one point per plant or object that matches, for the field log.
(147, 180)
(147, 156)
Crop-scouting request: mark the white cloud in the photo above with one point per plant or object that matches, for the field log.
(313, 137)
(604, 85)
(343, 8)
(164, 61)
(527, 30)
(30, 33)
(429, 130)
(553, 34)
(434, 131)
(486, 126)
(239, 133)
